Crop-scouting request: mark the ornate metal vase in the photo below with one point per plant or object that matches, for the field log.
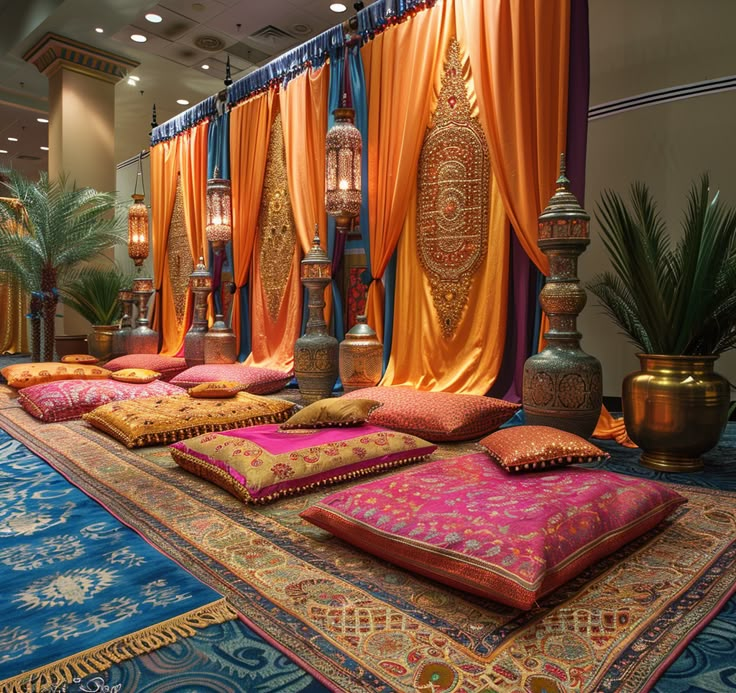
(219, 343)
(675, 410)
(361, 357)
(316, 353)
(562, 384)
(120, 337)
(143, 340)
(200, 282)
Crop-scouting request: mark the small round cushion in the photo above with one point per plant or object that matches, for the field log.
(79, 358)
(135, 375)
(216, 389)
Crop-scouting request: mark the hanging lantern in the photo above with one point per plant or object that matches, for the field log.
(343, 148)
(219, 227)
(138, 230)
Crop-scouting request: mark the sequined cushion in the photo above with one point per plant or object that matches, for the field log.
(333, 411)
(436, 416)
(218, 389)
(79, 358)
(524, 448)
(135, 375)
(167, 366)
(262, 463)
(26, 374)
(168, 419)
(511, 538)
(259, 381)
(69, 399)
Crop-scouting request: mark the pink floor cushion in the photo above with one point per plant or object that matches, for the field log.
(259, 381)
(261, 463)
(62, 400)
(511, 538)
(167, 366)
(436, 416)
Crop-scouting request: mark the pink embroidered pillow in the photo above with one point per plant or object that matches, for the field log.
(436, 416)
(69, 399)
(167, 366)
(261, 463)
(259, 381)
(524, 448)
(510, 538)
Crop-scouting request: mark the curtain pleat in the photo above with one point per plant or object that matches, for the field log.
(250, 123)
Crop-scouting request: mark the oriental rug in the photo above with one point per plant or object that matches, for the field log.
(66, 578)
(364, 625)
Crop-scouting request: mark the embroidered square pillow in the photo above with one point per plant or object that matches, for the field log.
(135, 375)
(218, 389)
(26, 374)
(167, 419)
(79, 358)
(259, 381)
(262, 463)
(436, 416)
(510, 538)
(526, 448)
(69, 399)
(167, 366)
(333, 411)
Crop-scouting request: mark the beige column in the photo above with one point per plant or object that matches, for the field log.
(82, 82)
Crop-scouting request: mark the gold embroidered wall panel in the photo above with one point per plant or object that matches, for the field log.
(276, 228)
(179, 257)
(453, 192)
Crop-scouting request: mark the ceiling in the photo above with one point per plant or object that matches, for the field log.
(190, 35)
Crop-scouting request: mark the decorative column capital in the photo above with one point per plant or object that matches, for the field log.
(54, 52)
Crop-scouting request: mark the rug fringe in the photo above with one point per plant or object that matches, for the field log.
(95, 660)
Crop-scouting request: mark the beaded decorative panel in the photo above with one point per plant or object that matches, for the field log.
(180, 257)
(276, 229)
(453, 193)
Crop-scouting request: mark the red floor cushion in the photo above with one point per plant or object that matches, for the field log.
(259, 381)
(512, 538)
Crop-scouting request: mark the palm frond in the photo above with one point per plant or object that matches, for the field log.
(93, 293)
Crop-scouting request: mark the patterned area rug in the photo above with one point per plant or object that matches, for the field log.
(67, 567)
(364, 625)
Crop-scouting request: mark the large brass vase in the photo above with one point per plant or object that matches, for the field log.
(99, 341)
(675, 409)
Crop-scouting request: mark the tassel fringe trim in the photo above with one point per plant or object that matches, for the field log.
(50, 678)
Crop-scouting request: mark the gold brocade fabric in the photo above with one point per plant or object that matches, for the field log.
(180, 257)
(13, 305)
(276, 229)
(453, 193)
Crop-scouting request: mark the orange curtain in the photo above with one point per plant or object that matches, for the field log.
(250, 130)
(400, 67)
(518, 52)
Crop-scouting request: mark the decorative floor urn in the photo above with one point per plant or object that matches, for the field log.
(361, 357)
(143, 340)
(562, 384)
(200, 282)
(120, 337)
(316, 353)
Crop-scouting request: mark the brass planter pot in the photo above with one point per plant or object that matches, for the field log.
(675, 410)
(99, 341)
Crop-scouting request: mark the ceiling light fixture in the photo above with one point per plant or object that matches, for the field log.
(154, 18)
(205, 67)
(131, 82)
(99, 30)
(12, 139)
(45, 148)
(182, 102)
(135, 78)
(3, 151)
(338, 7)
(42, 120)
(138, 38)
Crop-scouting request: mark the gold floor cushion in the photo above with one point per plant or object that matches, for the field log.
(158, 420)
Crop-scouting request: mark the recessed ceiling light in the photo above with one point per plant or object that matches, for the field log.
(338, 7)
(154, 18)
(45, 148)
(135, 78)
(138, 38)
(182, 102)
(12, 139)
(3, 151)
(42, 120)
(205, 67)
(131, 82)
(99, 30)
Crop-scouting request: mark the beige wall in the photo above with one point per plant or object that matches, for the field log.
(639, 47)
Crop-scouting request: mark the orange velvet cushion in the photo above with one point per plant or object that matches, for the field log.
(135, 375)
(27, 374)
(436, 416)
(332, 412)
(216, 389)
(524, 448)
(79, 358)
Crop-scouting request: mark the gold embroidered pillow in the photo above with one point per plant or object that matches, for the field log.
(262, 463)
(167, 419)
(334, 411)
(525, 448)
(217, 389)
(79, 358)
(135, 375)
(26, 374)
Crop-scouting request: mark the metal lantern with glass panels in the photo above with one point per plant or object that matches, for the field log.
(343, 147)
(138, 230)
(219, 226)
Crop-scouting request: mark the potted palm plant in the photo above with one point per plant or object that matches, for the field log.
(676, 302)
(58, 227)
(94, 293)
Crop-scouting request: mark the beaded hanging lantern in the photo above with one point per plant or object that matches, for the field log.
(219, 226)
(138, 230)
(343, 147)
